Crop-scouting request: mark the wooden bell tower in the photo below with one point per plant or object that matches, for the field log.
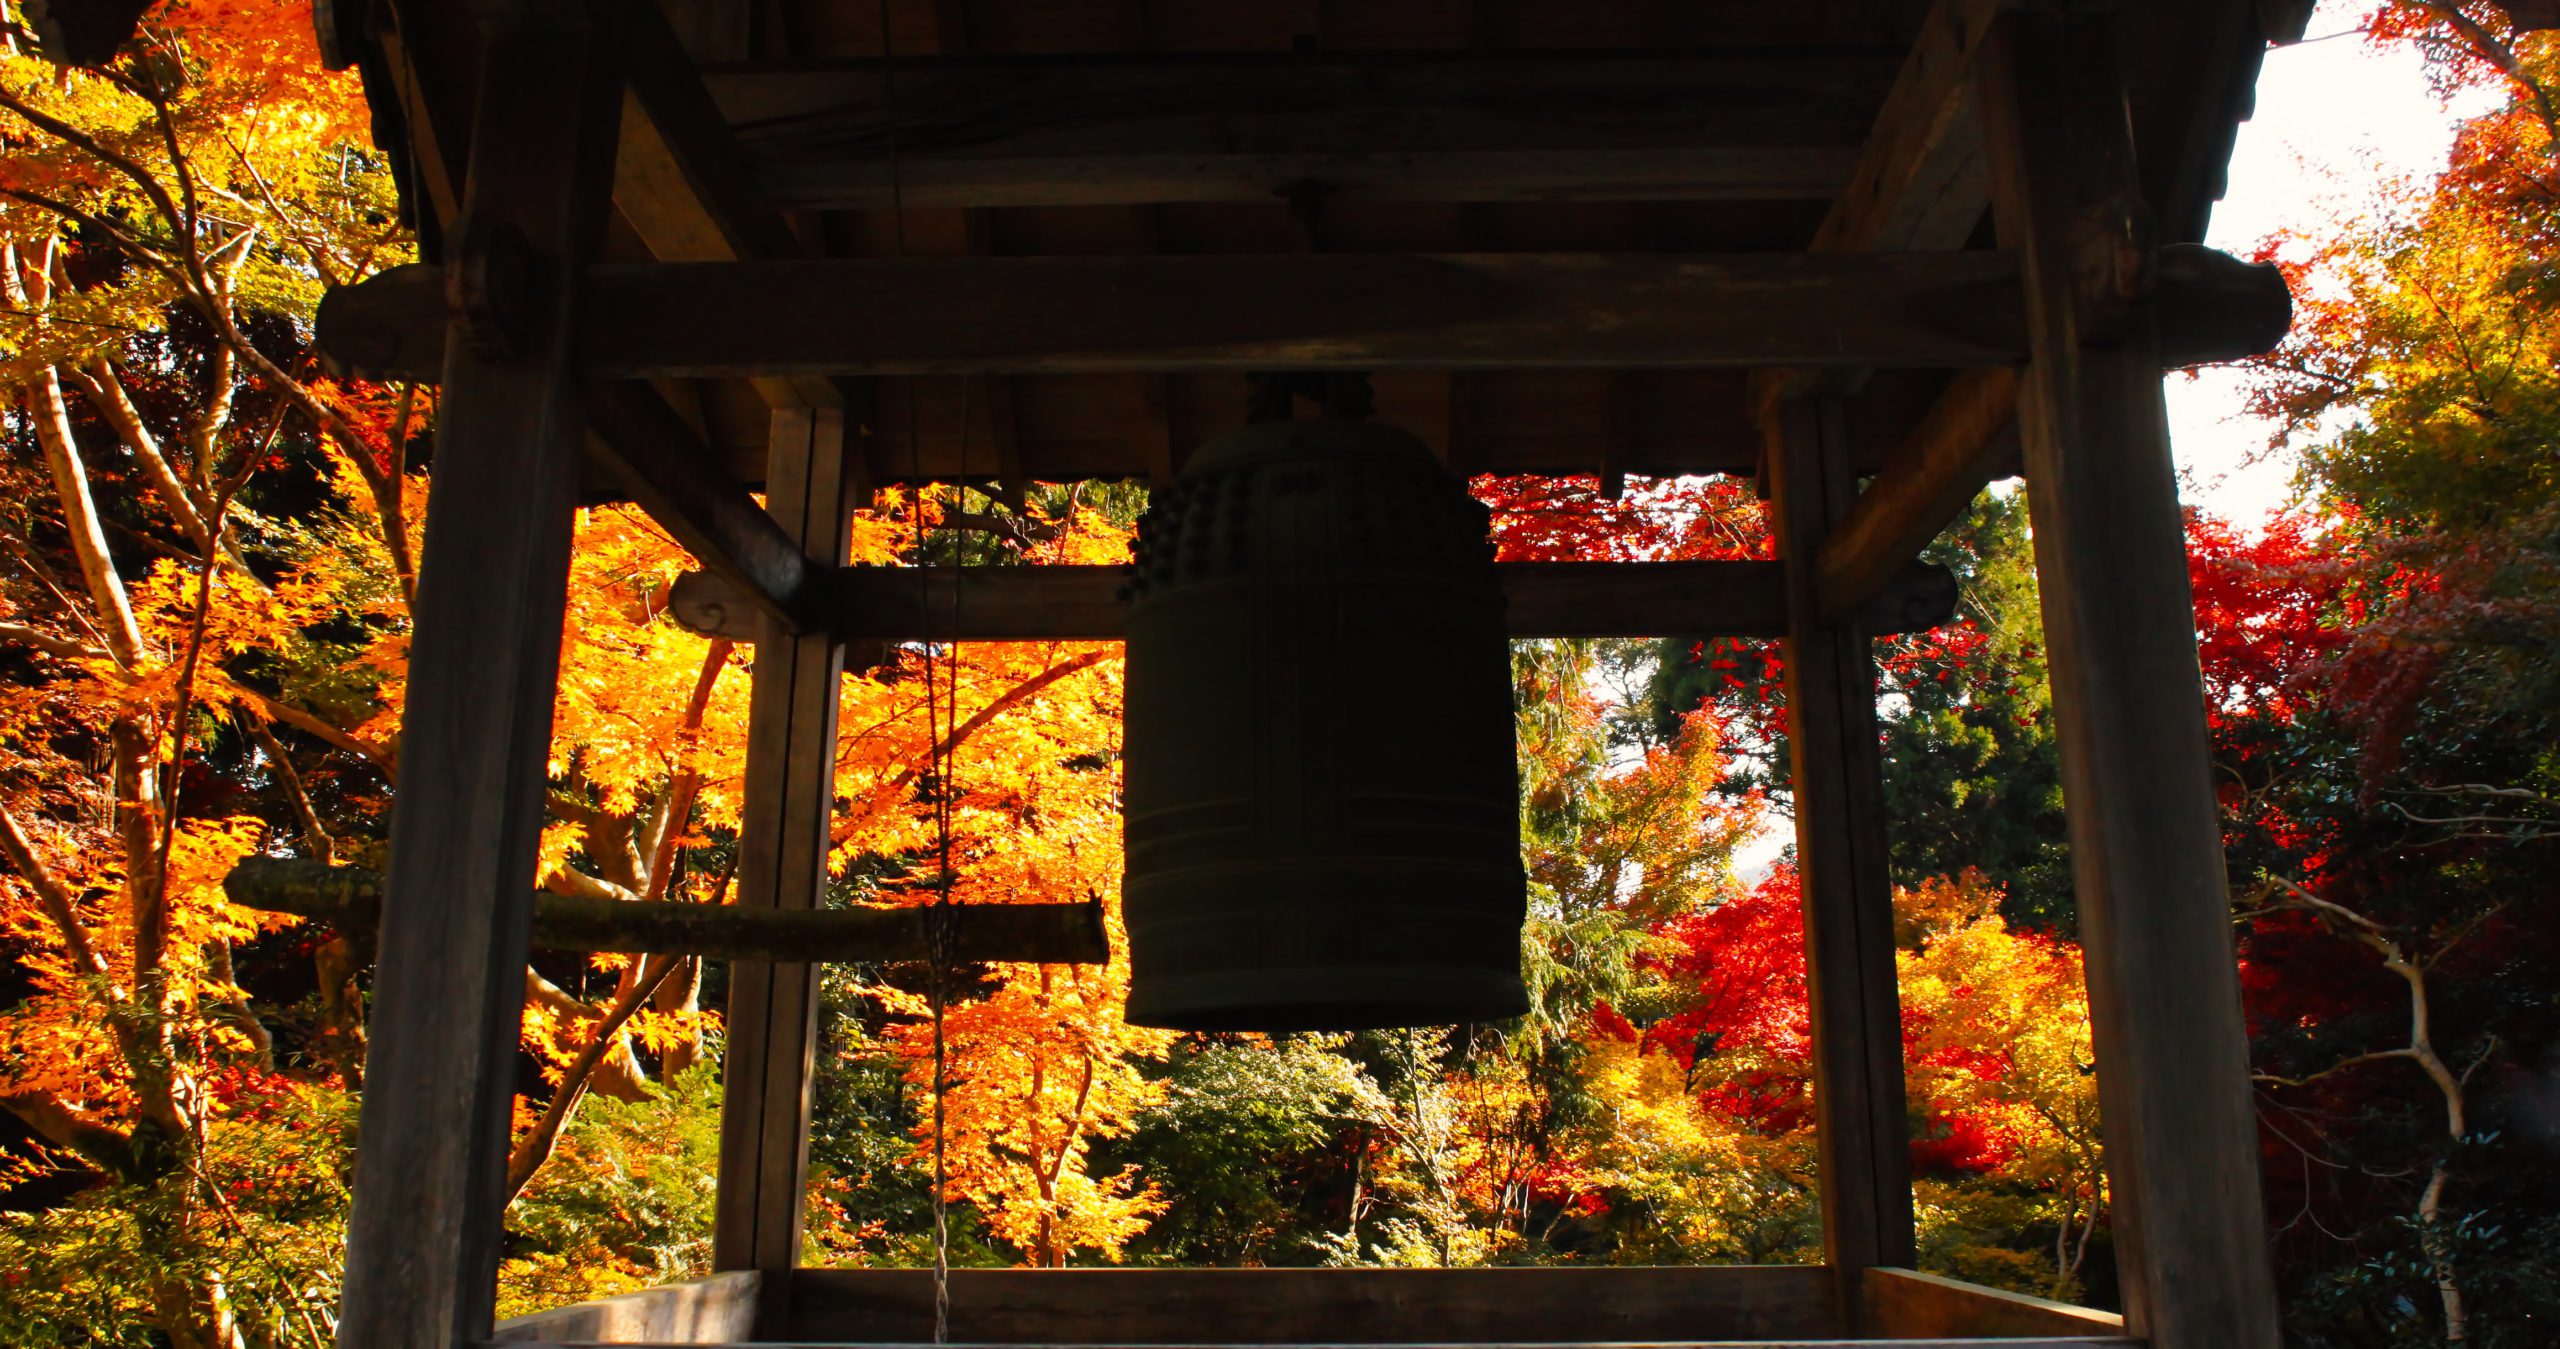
(1877, 252)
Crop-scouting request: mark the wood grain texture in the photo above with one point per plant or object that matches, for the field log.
(1547, 599)
(1955, 451)
(812, 486)
(1905, 1303)
(1164, 314)
(1251, 128)
(1920, 179)
(666, 469)
(2146, 842)
(1858, 1096)
(683, 184)
(350, 898)
(441, 1072)
(1919, 183)
(1319, 1306)
(719, 1309)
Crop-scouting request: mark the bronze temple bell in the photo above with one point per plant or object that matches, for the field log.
(1322, 806)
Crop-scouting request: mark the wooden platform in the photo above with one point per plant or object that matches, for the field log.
(1494, 1308)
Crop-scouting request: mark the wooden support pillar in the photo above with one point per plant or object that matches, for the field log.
(811, 487)
(448, 994)
(1840, 851)
(2146, 843)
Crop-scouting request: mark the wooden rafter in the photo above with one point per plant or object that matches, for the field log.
(1919, 179)
(684, 185)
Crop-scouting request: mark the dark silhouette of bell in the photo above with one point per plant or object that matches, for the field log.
(1321, 797)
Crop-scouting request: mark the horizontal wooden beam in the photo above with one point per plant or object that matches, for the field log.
(1907, 1304)
(1552, 1305)
(1238, 313)
(937, 428)
(1547, 599)
(1056, 131)
(667, 470)
(1057, 934)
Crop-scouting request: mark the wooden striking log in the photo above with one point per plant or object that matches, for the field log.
(1050, 131)
(1310, 311)
(1548, 599)
(1058, 934)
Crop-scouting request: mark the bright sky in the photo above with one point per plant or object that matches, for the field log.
(2336, 116)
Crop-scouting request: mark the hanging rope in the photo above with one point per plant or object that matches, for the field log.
(938, 919)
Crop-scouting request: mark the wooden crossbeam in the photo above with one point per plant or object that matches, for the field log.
(1547, 599)
(350, 898)
(1555, 1305)
(977, 131)
(673, 476)
(1161, 314)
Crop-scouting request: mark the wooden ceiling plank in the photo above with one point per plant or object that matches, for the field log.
(983, 131)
